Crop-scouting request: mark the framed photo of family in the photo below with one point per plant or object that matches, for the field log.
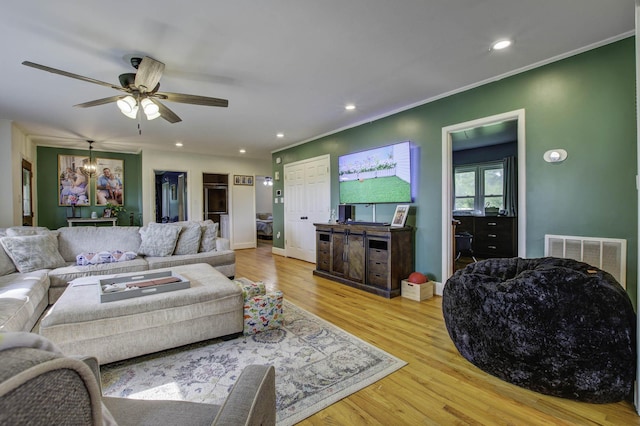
(400, 215)
(73, 181)
(109, 182)
(243, 180)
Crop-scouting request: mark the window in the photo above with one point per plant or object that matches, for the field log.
(478, 186)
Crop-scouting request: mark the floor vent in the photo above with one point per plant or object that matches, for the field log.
(608, 254)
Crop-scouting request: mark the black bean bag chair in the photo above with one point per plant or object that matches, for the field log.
(554, 326)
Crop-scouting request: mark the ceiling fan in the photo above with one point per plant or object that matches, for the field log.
(141, 90)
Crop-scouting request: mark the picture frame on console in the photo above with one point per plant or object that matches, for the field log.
(400, 215)
(73, 181)
(109, 182)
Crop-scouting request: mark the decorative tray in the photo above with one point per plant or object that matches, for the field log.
(144, 284)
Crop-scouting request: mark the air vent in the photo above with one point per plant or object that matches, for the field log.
(608, 254)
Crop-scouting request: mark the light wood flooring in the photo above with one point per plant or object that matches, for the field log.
(437, 386)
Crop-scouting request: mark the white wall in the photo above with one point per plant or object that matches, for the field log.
(242, 198)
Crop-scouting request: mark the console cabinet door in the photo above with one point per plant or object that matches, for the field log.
(355, 257)
(337, 254)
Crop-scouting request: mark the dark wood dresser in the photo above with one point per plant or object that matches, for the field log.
(373, 258)
(493, 236)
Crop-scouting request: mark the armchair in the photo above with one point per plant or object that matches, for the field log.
(43, 387)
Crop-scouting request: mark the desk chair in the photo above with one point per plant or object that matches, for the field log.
(464, 245)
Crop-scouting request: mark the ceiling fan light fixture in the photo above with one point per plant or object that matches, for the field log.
(127, 104)
(149, 107)
(133, 114)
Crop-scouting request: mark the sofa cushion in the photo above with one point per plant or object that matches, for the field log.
(92, 239)
(33, 252)
(209, 235)
(213, 258)
(23, 298)
(189, 238)
(6, 264)
(159, 239)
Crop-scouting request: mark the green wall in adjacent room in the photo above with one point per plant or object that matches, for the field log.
(584, 104)
(53, 216)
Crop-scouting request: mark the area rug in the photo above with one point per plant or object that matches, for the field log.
(316, 365)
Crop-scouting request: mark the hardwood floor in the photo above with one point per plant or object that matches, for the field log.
(438, 386)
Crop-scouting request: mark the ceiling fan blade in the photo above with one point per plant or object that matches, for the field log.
(72, 75)
(148, 75)
(99, 101)
(192, 99)
(165, 112)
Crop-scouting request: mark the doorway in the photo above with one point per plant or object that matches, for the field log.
(27, 194)
(447, 183)
(171, 196)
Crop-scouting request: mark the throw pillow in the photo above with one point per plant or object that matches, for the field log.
(84, 259)
(19, 231)
(189, 239)
(209, 234)
(159, 239)
(32, 252)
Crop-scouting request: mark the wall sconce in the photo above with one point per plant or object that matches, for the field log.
(555, 156)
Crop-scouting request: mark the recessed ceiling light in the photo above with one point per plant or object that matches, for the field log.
(178, 143)
(280, 135)
(350, 107)
(501, 44)
(242, 150)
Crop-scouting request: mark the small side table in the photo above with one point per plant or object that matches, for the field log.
(95, 222)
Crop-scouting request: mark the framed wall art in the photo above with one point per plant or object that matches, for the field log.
(400, 215)
(243, 180)
(109, 182)
(73, 181)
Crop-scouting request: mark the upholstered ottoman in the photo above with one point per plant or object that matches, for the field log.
(262, 310)
(79, 324)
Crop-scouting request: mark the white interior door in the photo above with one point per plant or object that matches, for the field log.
(307, 201)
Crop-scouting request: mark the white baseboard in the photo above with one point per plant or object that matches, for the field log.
(279, 251)
(438, 288)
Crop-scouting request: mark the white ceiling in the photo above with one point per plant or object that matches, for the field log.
(285, 66)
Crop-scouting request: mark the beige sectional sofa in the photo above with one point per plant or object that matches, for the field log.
(37, 264)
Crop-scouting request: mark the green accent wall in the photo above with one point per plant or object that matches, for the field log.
(584, 104)
(53, 216)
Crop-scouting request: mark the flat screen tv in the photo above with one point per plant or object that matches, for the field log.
(378, 175)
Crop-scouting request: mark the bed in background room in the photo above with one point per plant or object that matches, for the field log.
(264, 225)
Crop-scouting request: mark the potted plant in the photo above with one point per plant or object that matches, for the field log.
(115, 209)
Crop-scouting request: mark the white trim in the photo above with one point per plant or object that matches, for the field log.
(447, 185)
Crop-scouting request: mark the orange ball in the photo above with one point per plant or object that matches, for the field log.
(417, 278)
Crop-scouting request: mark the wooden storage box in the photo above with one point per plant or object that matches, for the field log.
(417, 291)
(122, 282)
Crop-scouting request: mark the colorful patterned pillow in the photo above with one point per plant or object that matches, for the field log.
(33, 252)
(84, 259)
(159, 239)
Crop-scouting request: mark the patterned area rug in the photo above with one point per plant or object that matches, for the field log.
(316, 365)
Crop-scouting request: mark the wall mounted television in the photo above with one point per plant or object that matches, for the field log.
(378, 175)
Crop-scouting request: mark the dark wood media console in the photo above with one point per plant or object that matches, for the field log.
(374, 258)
